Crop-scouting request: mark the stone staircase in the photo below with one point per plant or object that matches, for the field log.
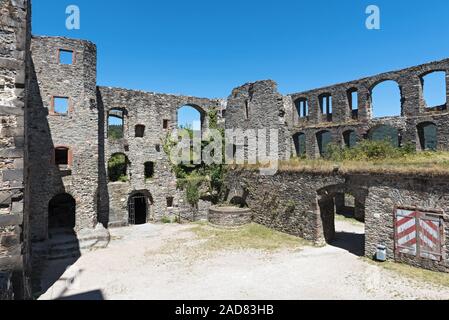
(66, 244)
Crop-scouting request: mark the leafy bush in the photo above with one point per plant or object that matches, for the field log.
(115, 132)
(192, 191)
(117, 168)
(165, 220)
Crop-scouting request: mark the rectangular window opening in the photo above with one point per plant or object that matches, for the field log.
(62, 156)
(65, 57)
(165, 124)
(170, 201)
(61, 105)
(149, 170)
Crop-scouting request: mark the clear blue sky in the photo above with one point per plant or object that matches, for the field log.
(206, 48)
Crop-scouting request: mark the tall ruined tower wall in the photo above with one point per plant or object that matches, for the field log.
(76, 130)
(15, 33)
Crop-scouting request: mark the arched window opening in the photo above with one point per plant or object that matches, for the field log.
(385, 133)
(149, 170)
(118, 168)
(299, 141)
(190, 118)
(350, 138)
(353, 101)
(62, 212)
(302, 108)
(428, 136)
(326, 106)
(386, 99)
(324, 139)
(116, 122)
(434, 89)
(140, 131)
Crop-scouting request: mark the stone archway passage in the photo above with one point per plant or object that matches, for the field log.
(62, 212)
(335, 230)
(138, 209)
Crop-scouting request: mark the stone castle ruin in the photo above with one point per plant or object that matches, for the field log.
(56, 146)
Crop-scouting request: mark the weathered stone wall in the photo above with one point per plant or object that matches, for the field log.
(258, 106)
(285, 202)
(229, 216)
(150, 110)
(15, 33)
(413, 109)
(76, 130)
(301, 203)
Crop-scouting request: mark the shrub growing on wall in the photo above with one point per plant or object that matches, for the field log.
(117, 168)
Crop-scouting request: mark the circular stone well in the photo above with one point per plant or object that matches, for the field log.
(229, 216)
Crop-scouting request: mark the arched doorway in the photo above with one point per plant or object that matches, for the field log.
(299, 140)
(139, 205)
(324, 139)
(385, 133)
(62, 212)
(428, 136)
(350, 138)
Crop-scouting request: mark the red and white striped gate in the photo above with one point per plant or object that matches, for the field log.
(419, 234)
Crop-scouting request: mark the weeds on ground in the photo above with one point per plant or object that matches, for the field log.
(252, 236)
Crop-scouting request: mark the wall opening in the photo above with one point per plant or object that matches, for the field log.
(170, 202)
(139, 131)
(62, 156)
(246, 109)
(60, 105)
(326, 106)
(386, 99)
(191, 118)
(165, 124)
(339, 224)
(66, 57)
(385, 133)
(324, 139)
(350, 138)
(428, 136)
(302, 108)
(149, 170)
(62, 212)
(434, 89)
(138, 209)
(116, 124)
(299, 140)
(353, 101)
(118, 168)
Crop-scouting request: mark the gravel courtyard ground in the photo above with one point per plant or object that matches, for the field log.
(202, 262)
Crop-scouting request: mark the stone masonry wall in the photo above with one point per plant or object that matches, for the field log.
(301, 203)
(414, 110)
(258, 106)
(150, 110)
(76, 130)
(15, 33)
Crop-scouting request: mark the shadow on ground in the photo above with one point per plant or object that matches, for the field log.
(351, 242)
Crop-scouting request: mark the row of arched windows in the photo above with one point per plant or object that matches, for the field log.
(385, 98)
(427, 133)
